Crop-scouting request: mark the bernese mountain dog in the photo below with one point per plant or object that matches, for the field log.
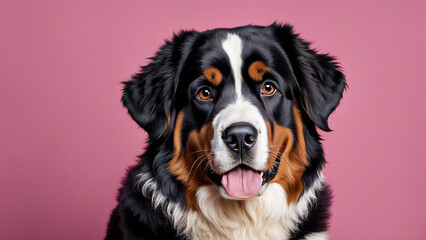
(233, 149)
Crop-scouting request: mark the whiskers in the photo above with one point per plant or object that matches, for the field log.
(200, 160)
(202, 150)
(280, 155)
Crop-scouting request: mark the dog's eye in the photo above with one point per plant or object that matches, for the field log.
(205, 94)
(268, 89)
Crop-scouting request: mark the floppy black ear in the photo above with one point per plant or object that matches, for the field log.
(319, 81)
(148, 95)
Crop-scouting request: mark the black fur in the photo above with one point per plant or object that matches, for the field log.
(320, 83)
(166, 85)
(316, 221)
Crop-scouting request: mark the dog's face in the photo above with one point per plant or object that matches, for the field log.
(235, 105)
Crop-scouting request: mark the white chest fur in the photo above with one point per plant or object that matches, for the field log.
(257, 218)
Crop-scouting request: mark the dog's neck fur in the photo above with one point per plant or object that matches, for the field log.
(265, 217)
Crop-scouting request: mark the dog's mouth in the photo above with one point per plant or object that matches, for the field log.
(243, 182)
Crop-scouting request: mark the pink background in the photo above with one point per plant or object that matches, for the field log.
(65, 140)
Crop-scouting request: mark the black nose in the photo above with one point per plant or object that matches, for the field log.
(240, 137)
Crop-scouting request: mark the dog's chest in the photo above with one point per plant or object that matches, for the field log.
(264, 217)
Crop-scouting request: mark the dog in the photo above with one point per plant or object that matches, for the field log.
(233, 150)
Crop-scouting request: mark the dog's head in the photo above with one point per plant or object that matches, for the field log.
(236, 105)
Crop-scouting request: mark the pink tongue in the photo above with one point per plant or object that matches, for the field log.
(242, 182)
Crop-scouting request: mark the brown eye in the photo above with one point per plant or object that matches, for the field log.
(268, 89)
(205, 94)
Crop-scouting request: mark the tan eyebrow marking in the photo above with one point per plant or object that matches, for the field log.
(213, 75)
(257, 69)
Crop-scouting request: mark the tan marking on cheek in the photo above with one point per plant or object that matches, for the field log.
(293, 158)
(190, 167)
(213, 75)
(257, 69)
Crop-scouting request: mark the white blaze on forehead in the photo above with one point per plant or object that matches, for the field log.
(233, 46)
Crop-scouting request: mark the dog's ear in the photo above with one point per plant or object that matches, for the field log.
(319, 82)
(148, 95)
